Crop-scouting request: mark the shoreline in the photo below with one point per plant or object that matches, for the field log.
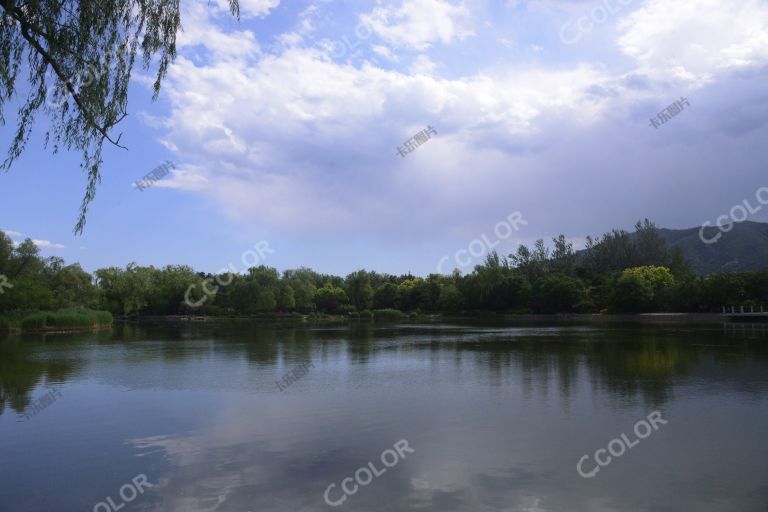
(484, 318)
(559, 318)
(14, 331)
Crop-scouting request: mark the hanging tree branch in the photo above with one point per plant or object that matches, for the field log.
(69, 36)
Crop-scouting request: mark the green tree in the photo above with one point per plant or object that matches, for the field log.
(126, 292)
(450, 300)
(169, 286)
(303, 281)
(660, 281)
(724, 289)
(72, 286)
(632, 294)
(559, 293)
(26, 272)
(286, 300)
(359, 290)
(563, 257)
(650, 245)
(385, 296)
(330, 298)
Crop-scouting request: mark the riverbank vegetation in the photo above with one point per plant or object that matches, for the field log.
(61, 320)
(619, 272)
(72, 318)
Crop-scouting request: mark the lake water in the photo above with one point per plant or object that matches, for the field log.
(495, 418)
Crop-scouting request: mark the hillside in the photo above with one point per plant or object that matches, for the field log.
(743, 248)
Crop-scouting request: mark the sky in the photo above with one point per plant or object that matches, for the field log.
(284, 128)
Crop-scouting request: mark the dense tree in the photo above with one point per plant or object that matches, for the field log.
(450, 299)
(72, 286)
(563, 257)
(359, 290)
(330, 298)
(303, 282)
(559, 293)
(385, 296)
(531, 280)
(632, 294)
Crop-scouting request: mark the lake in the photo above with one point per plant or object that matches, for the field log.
(244, 417)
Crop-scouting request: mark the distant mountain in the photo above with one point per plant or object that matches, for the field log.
(743, 248)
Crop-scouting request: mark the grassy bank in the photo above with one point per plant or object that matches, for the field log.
(62, 320)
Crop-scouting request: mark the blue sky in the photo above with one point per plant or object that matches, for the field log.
(284, 127)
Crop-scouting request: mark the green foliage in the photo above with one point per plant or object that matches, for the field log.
(385, 296)
(389, 315)
(659, 278)
(660, 282)
(286, 300)
(632, 294)
(359, 290)
(330, 298)
(536, 280)
(724, 289)
(451, 300)
(35, 321)
(66, 319)
(5, 324)
(559, 293)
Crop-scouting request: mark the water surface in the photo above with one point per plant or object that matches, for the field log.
(498, 417)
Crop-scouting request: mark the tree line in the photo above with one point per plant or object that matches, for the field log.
(620, 272)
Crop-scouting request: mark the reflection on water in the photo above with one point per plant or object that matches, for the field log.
(498, 417)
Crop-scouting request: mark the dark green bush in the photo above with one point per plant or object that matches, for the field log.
(389, 314)
(67, 318)
(34, 321)
(104, 317)
(5, 324)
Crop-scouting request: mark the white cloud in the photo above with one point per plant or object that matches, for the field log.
(313, 142)
(45, 244)
(419, 23)
(694, 39)
(297, 142)
(423, 65)
(199, 31)
(250, 8)
(257, 7)
(42, 244)
(385, 52)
